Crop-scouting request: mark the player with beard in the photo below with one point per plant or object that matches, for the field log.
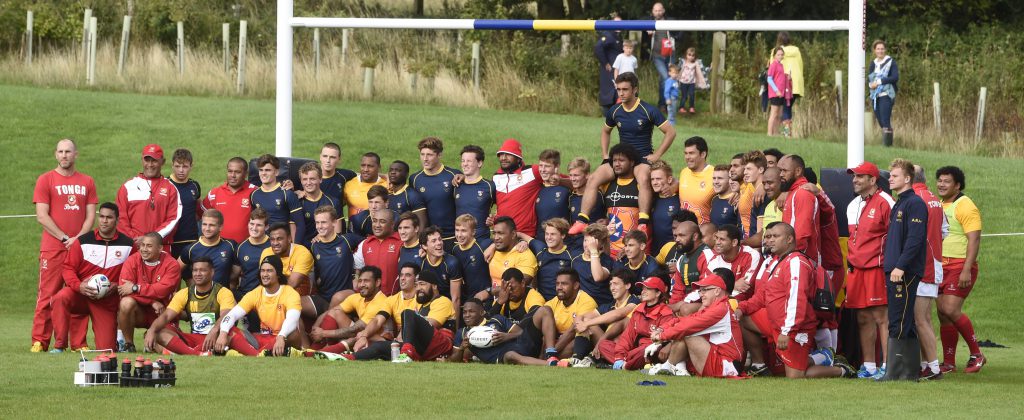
(423, 334)
(669, 254)
(801, 210)
(342, 324)
(279, 311)
(692, 263)
(569, 304)
(772, 183)
(517, 186)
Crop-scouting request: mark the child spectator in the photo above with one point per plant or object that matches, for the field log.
(625, 62)
(690, 77)
(672, 92)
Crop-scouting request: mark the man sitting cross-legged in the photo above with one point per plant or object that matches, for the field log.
(201, 304)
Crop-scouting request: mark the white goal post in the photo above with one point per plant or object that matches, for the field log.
(855, 26)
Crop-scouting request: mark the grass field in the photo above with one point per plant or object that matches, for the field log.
(111, 128)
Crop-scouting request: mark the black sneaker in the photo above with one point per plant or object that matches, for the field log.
(601, 364)
(928, 375)
(758, 371)
(129, 348)
(848, 371)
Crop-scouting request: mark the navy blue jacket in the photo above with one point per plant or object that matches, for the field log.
(908, 235)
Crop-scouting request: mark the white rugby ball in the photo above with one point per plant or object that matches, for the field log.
(100, 283)
(481, 336)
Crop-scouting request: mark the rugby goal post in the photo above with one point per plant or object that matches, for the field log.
(855, 26)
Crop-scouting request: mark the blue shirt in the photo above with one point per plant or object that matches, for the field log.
(222, 253)
(755, 213)
(308, 211)
(636, 125)
(334, 186)
(247, 256)
(723, 213)
(333, 266)
(406, 199)
(548, 265)
(189, 194)
(643, 271)
(282, 206)
(661, 221)
(476, 273)
(552, 202)
(476, 199)
(908, 235)
(409, 254)
(447, 269)
(597, 290)
(437, 192)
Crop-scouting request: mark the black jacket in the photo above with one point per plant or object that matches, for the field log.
(908, 235)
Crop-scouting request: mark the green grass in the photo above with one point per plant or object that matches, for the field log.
(112, 127)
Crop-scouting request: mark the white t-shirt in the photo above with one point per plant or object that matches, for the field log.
(625, 63)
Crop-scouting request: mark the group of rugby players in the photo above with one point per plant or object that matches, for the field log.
(725, 270)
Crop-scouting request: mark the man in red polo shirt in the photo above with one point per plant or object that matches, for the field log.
(381, 250)
(232, 199)
(868, 217)
(65, 202)
(149, 202)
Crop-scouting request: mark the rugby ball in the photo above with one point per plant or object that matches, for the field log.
(100, 283)
(481, 336)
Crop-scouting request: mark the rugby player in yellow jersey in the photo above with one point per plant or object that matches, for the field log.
(695, 189)
(568, 304)
(279, 310)
(201, 304)
(506, 256)
(386, 324)
(341, 324)
(424, 335)
(608, 321)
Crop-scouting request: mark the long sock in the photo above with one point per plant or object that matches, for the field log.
(581, 347)
(822, 338)
(335, 348)
(179, 347)
(870, 367)
(949, 337)
(966, 328)
(833, 335)
(120, 335)
(241, 345)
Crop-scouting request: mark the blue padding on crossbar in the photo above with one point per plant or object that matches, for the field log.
(624, 25)
(503, 24)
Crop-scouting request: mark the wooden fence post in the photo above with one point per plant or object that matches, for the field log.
(181, 48)
(979, 126)
(839, 95)
(242, 29)
(122, 56)
(91, 70)
(28, 38)
(85, 35)
(717, 72)
(344, 45)
(565, 44)
(368, 82)
(316, 52)
(476, 66)
(937, 107)
(226, 46)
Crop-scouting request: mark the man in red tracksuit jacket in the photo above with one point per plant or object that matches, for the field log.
(801, 207)
(627, 351)
(148, 278)
(516, 186)
(102, 251)
(149, 202)
(787, 300)
(708, 342)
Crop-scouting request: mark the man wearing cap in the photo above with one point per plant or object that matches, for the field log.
(517, 187)
(149, 202)
(705, 339)
(786, 297)
(868, 218)
(627, 351)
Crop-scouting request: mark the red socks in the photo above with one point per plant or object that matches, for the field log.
(241, 345)
(179, 347)
(949, 337)
(963, 324)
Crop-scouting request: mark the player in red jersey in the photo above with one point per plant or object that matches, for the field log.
(742, 260)
(928, 289)
(232, 199)
(147, 280)
(149, 202)
(65, 202)
(801, 207)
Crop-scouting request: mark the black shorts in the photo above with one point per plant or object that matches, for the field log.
(527, 344)
(320, 304)
(777, 101)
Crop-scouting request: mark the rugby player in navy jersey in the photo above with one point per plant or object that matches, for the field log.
(402, 198)
(409, 232)
(332, 261)
(665, 206)
(469, 250)
(441, 263)
(579, 170)
(281, 205)
(189, 193)
(474, 195)
(220, 251)
(313, 198)
(333, 177)
(377, 199)
(594, 264)
(434, 183)
(247, 259)
(635, 120)
(723, 211)
(634, 258)
(553, 199)
(552, 255)
(515, 344)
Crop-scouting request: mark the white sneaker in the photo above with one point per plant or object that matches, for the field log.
(402, 358)
(584, 362)
(680, 370)
(662, 369)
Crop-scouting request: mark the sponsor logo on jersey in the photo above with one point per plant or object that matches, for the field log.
(245, 203)
(163, 191)
(72, 204)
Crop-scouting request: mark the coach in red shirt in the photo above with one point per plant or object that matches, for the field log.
(148, 279)
(868, 218)
(381, 250)
(149, 202)
(233, 201)
(65, 202)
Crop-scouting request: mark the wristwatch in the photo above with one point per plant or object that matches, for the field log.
(65, 238)
(135, 288)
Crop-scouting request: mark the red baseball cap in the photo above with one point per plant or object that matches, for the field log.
(154, 151)
(866, 168)
(655, 283)
(512, 147)
(712, 280)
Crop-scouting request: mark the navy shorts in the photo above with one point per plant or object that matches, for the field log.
(527, 344)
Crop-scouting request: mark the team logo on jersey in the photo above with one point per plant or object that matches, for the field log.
(457, 196)
(391, 248)
(277, 201)
(558, 195)
(480, 194)
(561, 263)
(472, 259)
(505, 263)
(422, 189)
(445, 184)
(639, 123)
(899, 216)
(72, 204)
(43, 265)
(117, 254)
(163, 191)
(307, 215)
(703, 185)
(245, 203)
(619, 124)
(337, 250)
(318, 256)
(245, 258)
(223, 254)
(871, 214)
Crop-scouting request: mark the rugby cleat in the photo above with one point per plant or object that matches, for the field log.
(848, 371)
(825, 355)
(56, 351)
(879, 374)
(402, 358)
(947, 368)
(762, 370)
(128, 348)
(928, 375)
(37, 347)
(577, 228)
(553, 361)
(584, 362)
(83, 348)
(120, 345)
(975, 363)
(662, 369)
(863, 373)
(233, 353)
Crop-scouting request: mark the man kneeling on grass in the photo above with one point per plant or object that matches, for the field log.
(279, 310)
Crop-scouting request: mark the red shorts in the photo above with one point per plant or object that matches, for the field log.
(715, 365)
(265, 341)
(865, 287)
(148, 316)
(440, 346)
(190, 339)
(760, 319)
(798, 351)
(951, 269)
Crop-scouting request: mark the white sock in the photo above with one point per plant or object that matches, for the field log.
(834, 333)
(924, 365)
(871, 367)
(883, 365)
(120, 335)
(934, 365)
(818, 359)
(822, 338)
